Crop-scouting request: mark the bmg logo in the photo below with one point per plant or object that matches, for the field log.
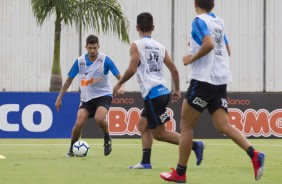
(26, 118)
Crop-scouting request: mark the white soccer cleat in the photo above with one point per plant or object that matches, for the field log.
(141, 166)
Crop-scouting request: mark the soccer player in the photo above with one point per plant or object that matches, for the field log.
(96, 91)
(148, 58)
(210, 74)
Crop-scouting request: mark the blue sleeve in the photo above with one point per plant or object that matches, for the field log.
(74, 70)
(110, 66)
(225, 40)
(199, 30)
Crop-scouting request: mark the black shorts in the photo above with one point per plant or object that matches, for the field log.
(155, 111)
(92, 105)
(201, 95)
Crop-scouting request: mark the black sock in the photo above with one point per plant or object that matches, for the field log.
(194, 146)
(181, 169)
(72, 143)
(250, 151)
(146, 158)
(107, 137)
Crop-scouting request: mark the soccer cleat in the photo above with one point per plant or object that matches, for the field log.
(107, 147)
(258, 163)
(70, 154)
(199, 152)
(173, 176)
(141, 166)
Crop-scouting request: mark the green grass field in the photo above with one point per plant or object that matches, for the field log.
(43, 161)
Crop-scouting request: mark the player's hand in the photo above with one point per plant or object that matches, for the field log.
(117, 89)
(176, 95)
(120, 91)
(58, 103)
(187, 60)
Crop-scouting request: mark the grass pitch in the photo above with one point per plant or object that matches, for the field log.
(43, 161)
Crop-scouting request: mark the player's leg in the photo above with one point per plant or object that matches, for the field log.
(189, 117)
(146, 136)
(157, 117)
(101, 106)
(82, 116)
(147, 142)
(100, 119)
(161, 134)
(220, 120)
(194, 103)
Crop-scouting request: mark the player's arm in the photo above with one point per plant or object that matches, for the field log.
(227, 46)
(72, 73)
(131, 70)
(206, 47)
(121, 89)
(174, 75)
(110, 65)
(65, 87)
(202, 35)
(228, 50)
(118, 77)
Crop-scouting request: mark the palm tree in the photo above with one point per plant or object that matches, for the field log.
(102, 15)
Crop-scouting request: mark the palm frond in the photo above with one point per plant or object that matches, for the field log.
(102, 15)
(42, 9)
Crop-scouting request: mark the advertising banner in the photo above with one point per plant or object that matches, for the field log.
(256, 115)
(33, 115)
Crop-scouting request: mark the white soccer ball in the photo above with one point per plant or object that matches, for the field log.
(80, 148)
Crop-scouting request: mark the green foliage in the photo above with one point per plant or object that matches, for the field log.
(101, 15)
(43, 161)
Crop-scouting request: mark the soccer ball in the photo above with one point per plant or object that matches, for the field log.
(80, 148)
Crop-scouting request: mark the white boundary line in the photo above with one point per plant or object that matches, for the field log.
(267, 145)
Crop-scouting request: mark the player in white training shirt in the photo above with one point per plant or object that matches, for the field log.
(148, 59)
(92, 69)
(210, 74)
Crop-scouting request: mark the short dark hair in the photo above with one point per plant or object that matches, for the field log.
(205, 4)
(145, 22)
(92, 39)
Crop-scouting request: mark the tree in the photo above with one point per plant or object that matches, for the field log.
(102, 15)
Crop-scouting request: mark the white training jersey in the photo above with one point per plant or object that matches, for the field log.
(93, 82)
(213, 67)
(150, 72)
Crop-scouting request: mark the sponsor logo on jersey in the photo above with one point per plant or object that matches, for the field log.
(200, 102)
(164, 117)
(87, 72)
(86, 82)
(224, 103)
